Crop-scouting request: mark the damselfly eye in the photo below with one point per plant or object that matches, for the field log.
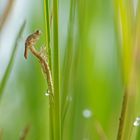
(38, 32)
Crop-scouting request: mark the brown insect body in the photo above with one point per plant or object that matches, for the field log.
(31, 41)
(41, 56)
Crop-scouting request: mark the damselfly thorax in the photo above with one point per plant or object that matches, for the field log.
(31, 41)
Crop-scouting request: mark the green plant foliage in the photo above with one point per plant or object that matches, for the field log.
(93, 56)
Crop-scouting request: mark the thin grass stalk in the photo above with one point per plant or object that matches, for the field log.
(126, 24)
(68, 61)
(137, 63)
(57, 110)
(24, 133)
(6, 13)
(47, 27)
(11, 61)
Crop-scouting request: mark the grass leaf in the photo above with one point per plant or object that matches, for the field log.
(11, 61)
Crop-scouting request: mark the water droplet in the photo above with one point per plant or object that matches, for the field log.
(137, 122)
(47, 94)
(87, 113)
(138, 118)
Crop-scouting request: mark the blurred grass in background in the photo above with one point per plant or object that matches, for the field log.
(98, 51)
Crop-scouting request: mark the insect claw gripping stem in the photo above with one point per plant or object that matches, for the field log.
(43, 49)
(42, 57)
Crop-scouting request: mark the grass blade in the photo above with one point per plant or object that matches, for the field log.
(128, 58)
(6, 13)
(68, 63)
(10, 64)
(47, 27)
(57, 111)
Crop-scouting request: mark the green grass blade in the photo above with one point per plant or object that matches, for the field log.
(47, 27)
(127, 110)
(136, 130)
(57, 112)
(10, 64)
(6, 13)
(67, 65)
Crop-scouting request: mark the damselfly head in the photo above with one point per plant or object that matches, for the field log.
(38, 32)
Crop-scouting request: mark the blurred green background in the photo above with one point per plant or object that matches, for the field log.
(96, 39)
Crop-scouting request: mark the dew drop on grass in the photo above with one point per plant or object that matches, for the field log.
(87, 113)
(138, 119)
(137, 122)
(46, 94)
